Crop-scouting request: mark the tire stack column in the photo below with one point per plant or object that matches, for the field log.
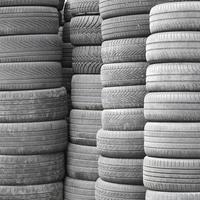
(172, 107)
(85, 116)
(33, 130)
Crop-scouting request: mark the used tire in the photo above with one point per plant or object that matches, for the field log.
(84, 125)
(82, 162)
(66, 32)
(171, 175)
(67, 55)
(120, 144)
(172, 106)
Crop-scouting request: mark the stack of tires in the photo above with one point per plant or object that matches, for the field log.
(172, 108)
(121, 139)
(85, 117)
(33, 130)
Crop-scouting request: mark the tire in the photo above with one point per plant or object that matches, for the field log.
(155, 195)
(67, 12)
(84, 125)
(67, 77)
(105, 190)
(171, 175)
(177, 16)
(125, 27)
(84, 7)
(87, 60)
(173, 77)
(66, 32)
(172, 140)
(123, 74)
(172, 106)
(53, 191)
(79, 189)
(86, 30)
(173, 47)
(120, 144)
(82, 162)
(30, 48)
(122, 171)
(86, 92)
(61, 4)
(32, 169)
(123, 119)
(123, 97)
(33, 105)
(24, 20)
(30, 75)
(123, 50)
(67, 55)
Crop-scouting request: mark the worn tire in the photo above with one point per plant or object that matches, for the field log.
(123, 50)
(82, 162)
(123, 74)
(173, 47)
(123, 119)
(87, 60)
(84, 125)
(105, 191)
(172, 106)
(120, 144)
(86, 30)
(173, 77)
(125, 27)
(171, 175)
(75, 189)
(67, 55)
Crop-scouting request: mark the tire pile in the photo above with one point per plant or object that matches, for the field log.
(172, 107)
(33, 132)
(85, 117)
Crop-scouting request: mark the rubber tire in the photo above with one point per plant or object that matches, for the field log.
(82, 162)
(84, 125)
(33, 105)
(172, 106)
(177, 16)
(87, 60)
(120, 144)
(31, 169)
(30, 48)
(86, 30)
(66, 32)
(123, 50)
(67, 12)
(173, 47)
(105, 191)
(67, 78)
(123, 74)
(86, 92)
(123, 97)
(123, 119)
(122, 171)
(173, 77)
(125, 27)
(171, 175)
(67, 55)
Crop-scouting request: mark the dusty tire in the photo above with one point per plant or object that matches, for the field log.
(84, 125)
(75, 189)
(173, 77)
(125, 27)
(171, 175)
(120, 144)
(87, 60)
(105, 190)
(123, 50)
(173, 47)
(86, 92)
(177, 16)
(33, 105)
(82, 162)
(67, 55)
(172, 106)
(32, 169)
(123, 74)
(85, 30)
(123, 97)
(123, 119)
(122, 171)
